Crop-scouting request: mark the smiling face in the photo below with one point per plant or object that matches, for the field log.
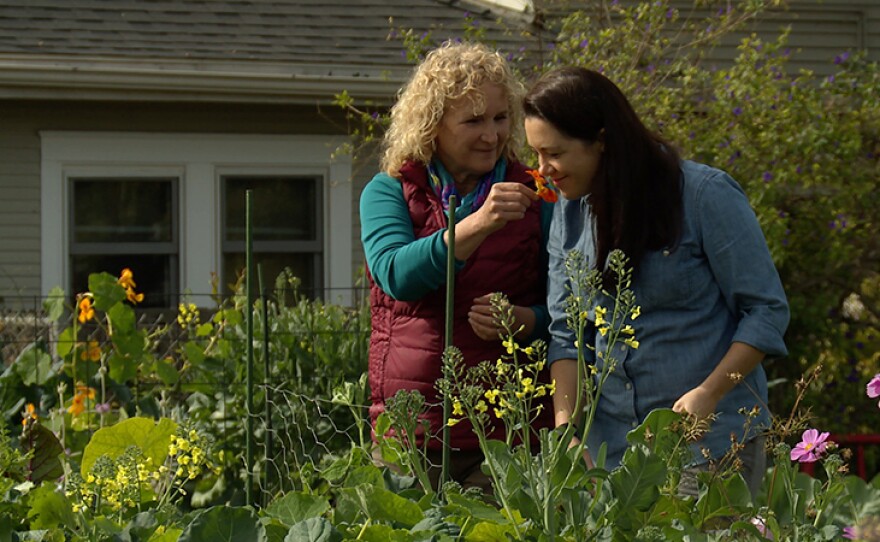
(571, 163)
(468, 142)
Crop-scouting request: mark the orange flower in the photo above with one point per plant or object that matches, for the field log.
(133, 297)
(126, 279)
(83, 393)
(29, 414)
(543, 187)
(92, 351)
(86, 312)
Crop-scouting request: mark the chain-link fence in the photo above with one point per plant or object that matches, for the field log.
(308, 381)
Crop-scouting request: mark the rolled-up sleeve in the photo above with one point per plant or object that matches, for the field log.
(741, 263)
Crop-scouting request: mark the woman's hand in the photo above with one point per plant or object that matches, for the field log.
(486, 323)
(699, 402)
(505, 202)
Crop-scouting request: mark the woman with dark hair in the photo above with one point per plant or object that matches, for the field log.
(712, 305)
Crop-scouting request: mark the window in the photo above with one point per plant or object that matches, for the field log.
(171, 208)
(285, 232)
(126, 222)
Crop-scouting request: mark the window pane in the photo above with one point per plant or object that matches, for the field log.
(119, 211)
(152, 274)
(271, 264)
(285, 208)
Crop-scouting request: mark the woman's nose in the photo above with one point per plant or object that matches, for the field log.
(544, 168)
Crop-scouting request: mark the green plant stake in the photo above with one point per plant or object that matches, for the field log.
(249, 263)
(450, 291)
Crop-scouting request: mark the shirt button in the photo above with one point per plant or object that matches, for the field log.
(666, 253)
(635, 424)
(628, 386)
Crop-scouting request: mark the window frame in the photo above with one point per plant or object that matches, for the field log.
(198, 160)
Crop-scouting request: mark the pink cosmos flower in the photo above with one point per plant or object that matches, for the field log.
(810, 447)
(873, 387)
(849, 533)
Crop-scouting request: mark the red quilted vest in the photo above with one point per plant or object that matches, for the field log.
(407, 339)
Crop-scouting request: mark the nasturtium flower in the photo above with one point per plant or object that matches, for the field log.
(86, 312)
(544, 187)
(126, 279)
(91, 352)
(30, 413)
(873, 388)
(133, 297)
(811, 446)
(83, 393)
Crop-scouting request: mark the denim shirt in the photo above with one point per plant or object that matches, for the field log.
(717, 286)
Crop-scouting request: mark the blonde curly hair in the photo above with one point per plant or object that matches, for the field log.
(449, 72)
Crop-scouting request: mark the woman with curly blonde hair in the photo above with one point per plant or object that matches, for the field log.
(451, 133)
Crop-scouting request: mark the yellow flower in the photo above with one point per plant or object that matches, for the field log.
(604, 330)
(528, 385)
(481, 406)
(509, 345)
(628, 329)
(528, 350)
(635, 313)
(632, 343)
(86, 312)
(499, 412)
(600, 315)
(126, 279)
(552, 387)
(456, 408)
(452, 421)
(492, 395)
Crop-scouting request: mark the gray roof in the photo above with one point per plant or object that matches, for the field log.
(282, 50)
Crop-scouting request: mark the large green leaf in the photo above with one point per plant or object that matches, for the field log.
(53, 305)
(123, 319)
(379, 504)
(723, 498)
(107, 292)
(151, 437)
(295, 507)
(636, 484)
(34, 366)
(225, 524)
(313, 530)
(50, 509)
(44, 465)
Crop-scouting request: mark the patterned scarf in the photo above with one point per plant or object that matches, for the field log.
(444, 186)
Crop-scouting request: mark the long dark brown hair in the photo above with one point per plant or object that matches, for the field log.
(636, 195)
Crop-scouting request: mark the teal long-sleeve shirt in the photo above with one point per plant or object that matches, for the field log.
(407, 268)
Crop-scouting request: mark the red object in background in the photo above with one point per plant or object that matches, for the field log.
(855, 442)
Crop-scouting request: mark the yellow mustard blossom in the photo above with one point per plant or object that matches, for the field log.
(551, 387)
(500, 367)
(632, 343)
(481, 406)
(509, 344)
(635, 313)
(86, 312)
(604, 330)
(492, 395)
(528, 350)
(628, 330)
(452, 421)
(456, 408)
(600, 315)
(499, 412)
(528, 385)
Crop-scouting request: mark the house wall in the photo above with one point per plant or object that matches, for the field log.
(20, 235)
